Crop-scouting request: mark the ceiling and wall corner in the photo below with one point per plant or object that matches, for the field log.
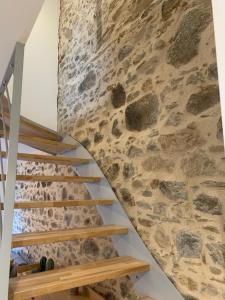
(16, 21)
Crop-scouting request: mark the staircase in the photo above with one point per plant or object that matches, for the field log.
(70, 277)
(134, 258)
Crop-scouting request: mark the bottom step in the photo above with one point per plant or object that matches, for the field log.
(74, 276)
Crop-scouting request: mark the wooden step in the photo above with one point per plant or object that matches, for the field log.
(27, 268)
(49, 146)
(43, 178)
(28, 127)
(49, 282)
(59, 203)
(85, 294)
(46, 237)
(59, 160)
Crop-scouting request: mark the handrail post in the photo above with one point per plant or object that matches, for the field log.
(5, 246)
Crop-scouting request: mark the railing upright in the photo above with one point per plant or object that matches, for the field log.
(15, 68)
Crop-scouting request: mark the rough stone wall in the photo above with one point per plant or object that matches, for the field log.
(71, 252)
(138, 87)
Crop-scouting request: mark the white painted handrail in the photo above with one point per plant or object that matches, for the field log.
(15, 68)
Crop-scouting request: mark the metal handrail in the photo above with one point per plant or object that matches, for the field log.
(15, 68)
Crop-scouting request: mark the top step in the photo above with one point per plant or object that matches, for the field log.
(49, 146)
(28, 127)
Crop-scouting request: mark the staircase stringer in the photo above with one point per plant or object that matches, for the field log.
(154, 283)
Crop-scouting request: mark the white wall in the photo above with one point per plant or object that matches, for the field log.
(219, 25)
(40, 87)
(16, 21)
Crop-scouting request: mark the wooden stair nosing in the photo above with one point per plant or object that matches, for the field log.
(43, 178)
(60, 160)
(49, 146)
(59, 203)
(27, 268)
(47, 237)
(86, 294)
(74, 276)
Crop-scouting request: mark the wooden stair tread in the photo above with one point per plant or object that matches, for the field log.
(44, 178)
(27, 268)
(59, 203)
(86, 294)
(49, 146)
(28, 127)
(74, 276)
(60, 160)
(46, 237)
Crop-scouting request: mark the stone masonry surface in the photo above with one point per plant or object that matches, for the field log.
(138, 87)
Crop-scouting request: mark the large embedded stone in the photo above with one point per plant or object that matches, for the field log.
(118, 97)
(173, 190)
(189, 245)
(128, 170)
(159, 44)
(152, 146)
(67, 219)
(88, 82)
(124, 52)
(203, 100)
(124, 289)
(186, 40)
(219, 134)
(195, 78)
(208, 204)
(115, 130)
(143, 113)
(90, 248)
(160, 208)
(182, 140)
(145, 222)
(174, 119)
(161, 238)
(213, 72)
(217, 253)
(108, 251)
(198, 164)
(98, 137)
(113, 172)
(127, 197)
(157, 163)
(134, 151)
(64, 194)
(143, 205)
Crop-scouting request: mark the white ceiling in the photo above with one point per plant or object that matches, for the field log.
(16, 21)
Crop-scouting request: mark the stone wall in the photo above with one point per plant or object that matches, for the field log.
(71, 252)
(138, 87)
